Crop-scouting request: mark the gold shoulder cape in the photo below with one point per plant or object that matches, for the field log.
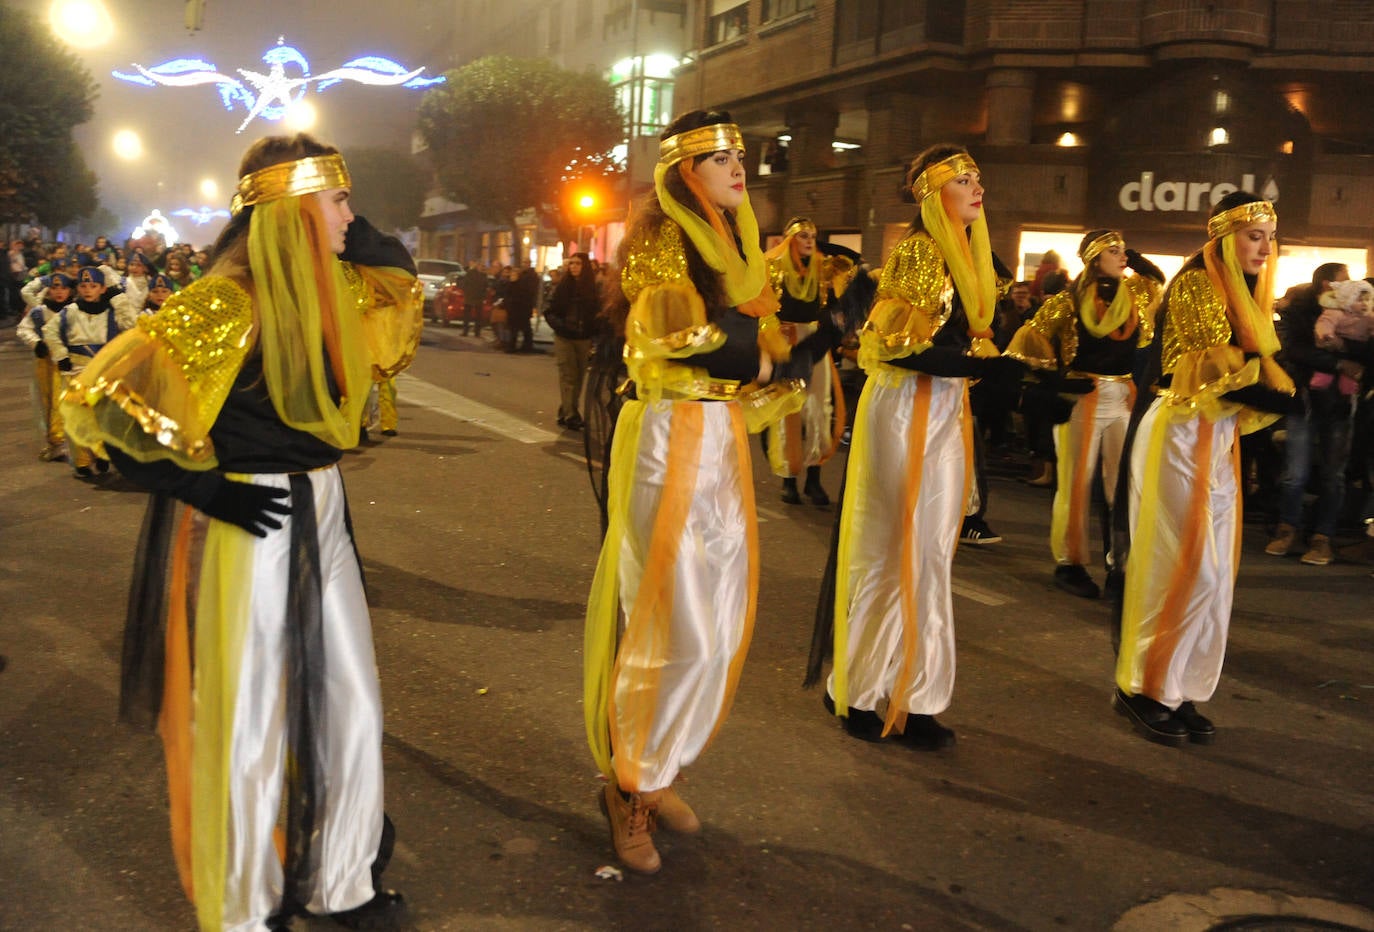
(914, 301)
(156, 390)
(1198, 353)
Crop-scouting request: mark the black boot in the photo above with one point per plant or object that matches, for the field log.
(924, 733)
(1200, 727)
(1152, 719)
(813, 489)
(789, 491)
(1074, 579)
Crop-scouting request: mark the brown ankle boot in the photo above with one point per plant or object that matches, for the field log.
(632, 826)
(674, 814)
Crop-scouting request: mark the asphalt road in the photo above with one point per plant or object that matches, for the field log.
(479, 537)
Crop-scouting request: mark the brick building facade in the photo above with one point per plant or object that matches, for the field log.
(1131, 114)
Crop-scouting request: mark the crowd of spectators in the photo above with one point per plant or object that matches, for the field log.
(30, 259)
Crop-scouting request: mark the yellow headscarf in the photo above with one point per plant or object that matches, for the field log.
(969, 257)
(745, 277)
(1250, 314)
(309, 314)
(802, 283)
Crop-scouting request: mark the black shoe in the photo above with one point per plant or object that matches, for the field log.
(976, 531)
(812, 490)
(84, 472)
(102, 466)
(575, 422)
(562, 421)
(790, 495)
(383, 911)
(924, 733)
(1115, 586)
(1153, 720)
(1200, 727)
(389, 432)
(859, 723)
(1074, 579)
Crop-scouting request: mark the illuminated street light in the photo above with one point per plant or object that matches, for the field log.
(586, 202)
(209, 190)
(128, 145)
(300, 116)
(81, 22)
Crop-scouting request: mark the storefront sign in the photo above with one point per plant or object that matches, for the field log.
(1147, 194)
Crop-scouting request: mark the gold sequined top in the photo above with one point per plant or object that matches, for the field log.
(668, 324)
(1196, 320)
(1055, 324)
(915, 299)
(657, 258)
(1202, 363)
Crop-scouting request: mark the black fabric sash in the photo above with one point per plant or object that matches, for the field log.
(143, 655)
(305, 672)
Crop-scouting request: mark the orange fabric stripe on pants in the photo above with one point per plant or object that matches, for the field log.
(1170, 623)
(649, 619)
(911, 493)
(174, 724)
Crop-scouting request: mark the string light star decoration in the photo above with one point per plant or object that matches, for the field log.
(201, 215)
(271, 95)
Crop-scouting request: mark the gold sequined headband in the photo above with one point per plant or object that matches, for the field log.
(1229, 221)
(291, 179)
(1105, 241)
(798, 226)
(700, 141)
(942, 173)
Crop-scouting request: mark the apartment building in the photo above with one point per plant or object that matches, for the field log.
(1131, 114)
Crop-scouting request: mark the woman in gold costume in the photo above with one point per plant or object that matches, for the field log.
(1218, 380)
(672, 606)
(805, 280)
(253, 650)
(1084, 342)
(910, 461)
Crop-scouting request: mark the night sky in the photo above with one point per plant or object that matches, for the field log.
(187, 133)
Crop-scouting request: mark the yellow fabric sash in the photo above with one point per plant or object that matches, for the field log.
(745, 277)
(803, 283)
(222, 613)
(969, 258)
(1250, 314)
(311, 322)
(1119, 313)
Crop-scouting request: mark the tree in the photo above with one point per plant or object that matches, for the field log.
(45, 91)
(507, 134)
(388, 186)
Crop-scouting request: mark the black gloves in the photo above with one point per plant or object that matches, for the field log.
(255, 508)
(945, 361)
(364, 244)
(1264, 398)
(40, 349)
(65, 364)
(1142, 266)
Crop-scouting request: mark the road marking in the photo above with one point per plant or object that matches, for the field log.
(577, 458)
(979, 595)
(450, 404)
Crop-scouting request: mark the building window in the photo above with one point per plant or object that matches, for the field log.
(555, 22)
(856, 29)
(729, 20)
(777, 9)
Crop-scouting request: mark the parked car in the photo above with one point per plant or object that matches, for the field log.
(448, 299)
(431, 273)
